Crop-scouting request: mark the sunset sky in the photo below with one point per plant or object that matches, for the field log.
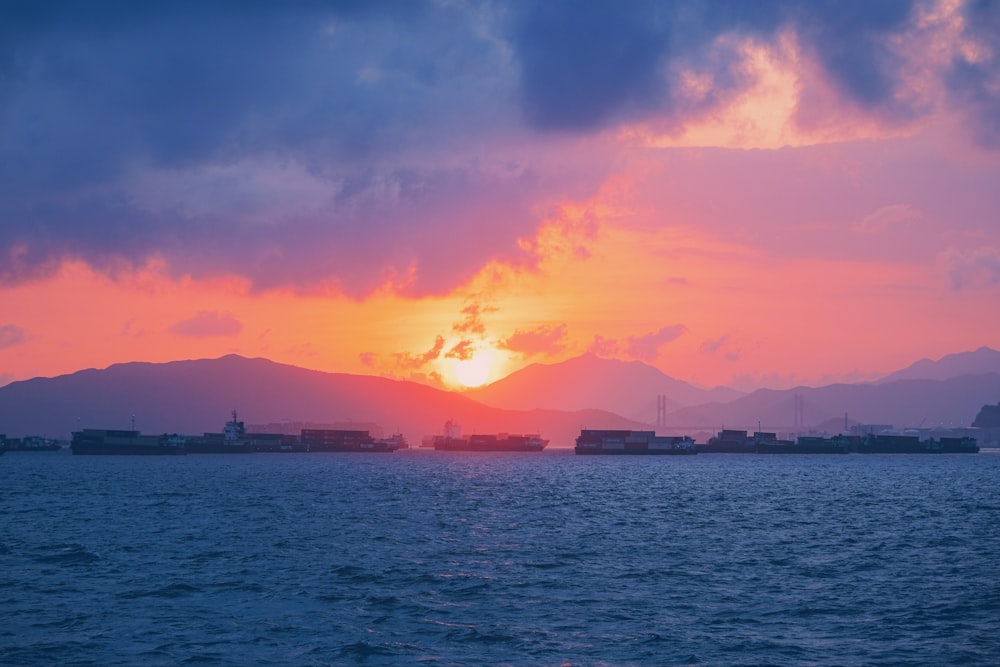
(764, 193)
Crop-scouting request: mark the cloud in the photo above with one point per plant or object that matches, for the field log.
(603, 347)
(359, 146)
(546, 340)
(886, 217)
(208, 323)
(413, 362)
(472, 321)
(462, 350)
(713, 345)
(638, 57)
(647, 347)
(11, 335)
(973, 78)
(978, 268)
(721, 345)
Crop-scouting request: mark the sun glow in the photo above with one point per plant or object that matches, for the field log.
(474, 371)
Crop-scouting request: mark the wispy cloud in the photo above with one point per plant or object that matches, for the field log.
(208, 323)
(11, 335)
(977, 268)
(886, 217)
(647, 347)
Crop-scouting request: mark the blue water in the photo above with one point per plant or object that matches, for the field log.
(489, 559)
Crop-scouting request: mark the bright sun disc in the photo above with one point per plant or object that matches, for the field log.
(474, 371)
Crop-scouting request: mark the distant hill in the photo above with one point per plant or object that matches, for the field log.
(983, 360)
(627, 388)
(193, 397)
(903, 403)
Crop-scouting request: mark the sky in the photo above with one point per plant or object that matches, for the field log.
(768, 193)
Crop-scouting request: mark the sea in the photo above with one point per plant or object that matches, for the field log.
(453, 558)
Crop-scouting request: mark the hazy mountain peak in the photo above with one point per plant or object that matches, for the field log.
(587, 381)
(981, 360)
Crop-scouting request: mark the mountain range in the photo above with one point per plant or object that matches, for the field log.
(555, 400)
(193, 397)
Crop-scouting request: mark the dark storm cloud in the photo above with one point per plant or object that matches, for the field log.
(977, 82)
(583, 66)
(93, 93)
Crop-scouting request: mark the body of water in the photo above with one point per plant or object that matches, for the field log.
(457, 558)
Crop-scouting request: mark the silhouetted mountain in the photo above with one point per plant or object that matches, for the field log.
(988, 417)
(903, 403)
(193, 397)
(624, 387)
(983, 360)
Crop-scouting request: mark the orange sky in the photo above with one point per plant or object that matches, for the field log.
(778, 231)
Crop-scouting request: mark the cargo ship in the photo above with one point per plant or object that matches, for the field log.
(345, 440)
(452, 440)
(604, 441)
(232, 440)
(890, 443)
(131, 442)
(729, 441)
(808, 444)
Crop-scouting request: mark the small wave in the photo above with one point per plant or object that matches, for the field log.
(473, 634)
(363, 650)
(69, 554)
(175, 590)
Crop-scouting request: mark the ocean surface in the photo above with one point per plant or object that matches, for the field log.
(453, 558)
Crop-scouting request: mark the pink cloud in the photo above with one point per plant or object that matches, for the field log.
(979, 268)
(715, 346)
(603, 347)
(11, 335)
(647, 347)
(887, 216)
(547, 340)
(411, 361)
(208, 323)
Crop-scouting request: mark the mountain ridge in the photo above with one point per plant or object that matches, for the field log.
(196, 396)
(974, 362)
(627, 388)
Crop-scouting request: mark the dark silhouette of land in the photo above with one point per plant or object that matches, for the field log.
(555, 401)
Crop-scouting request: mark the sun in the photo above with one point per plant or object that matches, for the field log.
(475, 370)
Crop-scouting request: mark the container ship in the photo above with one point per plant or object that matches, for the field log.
(233, 440)
(729, 441)
(808, 444)
(345, 440)
(886, 443)
(763, 442)
(452, 440)
(602, 441)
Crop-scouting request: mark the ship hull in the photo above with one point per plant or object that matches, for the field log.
(491, 445)
(124, 450)
(584, 451)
